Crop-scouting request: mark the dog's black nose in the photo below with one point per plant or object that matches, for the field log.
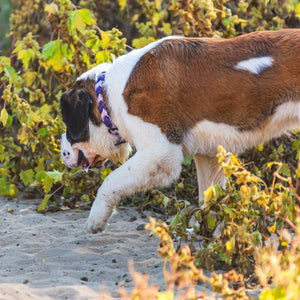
(66, 153)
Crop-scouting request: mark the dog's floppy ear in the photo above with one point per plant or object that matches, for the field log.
(75, 108)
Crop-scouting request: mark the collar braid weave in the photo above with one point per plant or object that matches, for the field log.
(112, 128)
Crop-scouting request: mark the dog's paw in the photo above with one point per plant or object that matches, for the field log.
(99, 215)
(94, 225)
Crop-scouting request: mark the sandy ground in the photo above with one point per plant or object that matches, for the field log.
(50, 257)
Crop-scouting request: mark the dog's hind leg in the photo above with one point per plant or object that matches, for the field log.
(207, 168)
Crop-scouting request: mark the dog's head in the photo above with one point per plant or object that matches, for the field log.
(87, 142)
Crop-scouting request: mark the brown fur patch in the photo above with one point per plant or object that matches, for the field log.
(183, 81)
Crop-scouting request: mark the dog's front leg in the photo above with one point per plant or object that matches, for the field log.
(145, 170)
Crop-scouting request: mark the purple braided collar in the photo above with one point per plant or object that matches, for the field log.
(112, 128)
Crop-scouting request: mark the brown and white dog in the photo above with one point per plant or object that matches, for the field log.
(176, 97)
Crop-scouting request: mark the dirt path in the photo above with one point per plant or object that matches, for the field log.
(50, 257)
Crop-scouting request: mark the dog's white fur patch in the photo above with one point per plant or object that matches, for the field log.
(206, 136)
(68, 154)
(255, 65)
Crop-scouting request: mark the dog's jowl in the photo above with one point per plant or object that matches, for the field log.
(176, 97)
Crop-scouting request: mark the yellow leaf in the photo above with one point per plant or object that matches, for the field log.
(228, 246)
(54, 53)
(25, 55)
(243, 23)
(4, 61)
(272, 228)
(102, 56)
(235, 160)
(297, 10)
(260, 147)
(270, 164)
(167, 28)
(142, 42)
(122, 3)
(165, 296)
(79, 18)
(105, 39)
(51, 9)
(4, 116)
(29, 78)
(209, 194)
(156, 18)
(86, 59)
(157, 4)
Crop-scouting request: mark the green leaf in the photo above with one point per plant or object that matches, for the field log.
(229, 211)
(211, 222)
(85, 198)
(55, 175)
(78, 19)
(12, 75)
(177, 220)
(44, 202)
(40, 175)
(47, 183)
(4, 171)
(257, 237)
(165, 201)
(40, 167)
(285, 170)
(43, 132)
(188, 160)
(54, 53)
(27, 176)
(4, 187)
(180, 185)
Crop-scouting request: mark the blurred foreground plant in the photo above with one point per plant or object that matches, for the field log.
(238, 219)
(181, 275)
(280, 268)
(183, 280)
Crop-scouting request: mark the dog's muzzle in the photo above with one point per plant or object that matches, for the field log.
(74, 157)
(69, 155)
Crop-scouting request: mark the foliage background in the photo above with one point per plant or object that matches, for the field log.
(45, 45)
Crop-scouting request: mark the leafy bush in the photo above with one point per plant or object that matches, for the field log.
(33, 78)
